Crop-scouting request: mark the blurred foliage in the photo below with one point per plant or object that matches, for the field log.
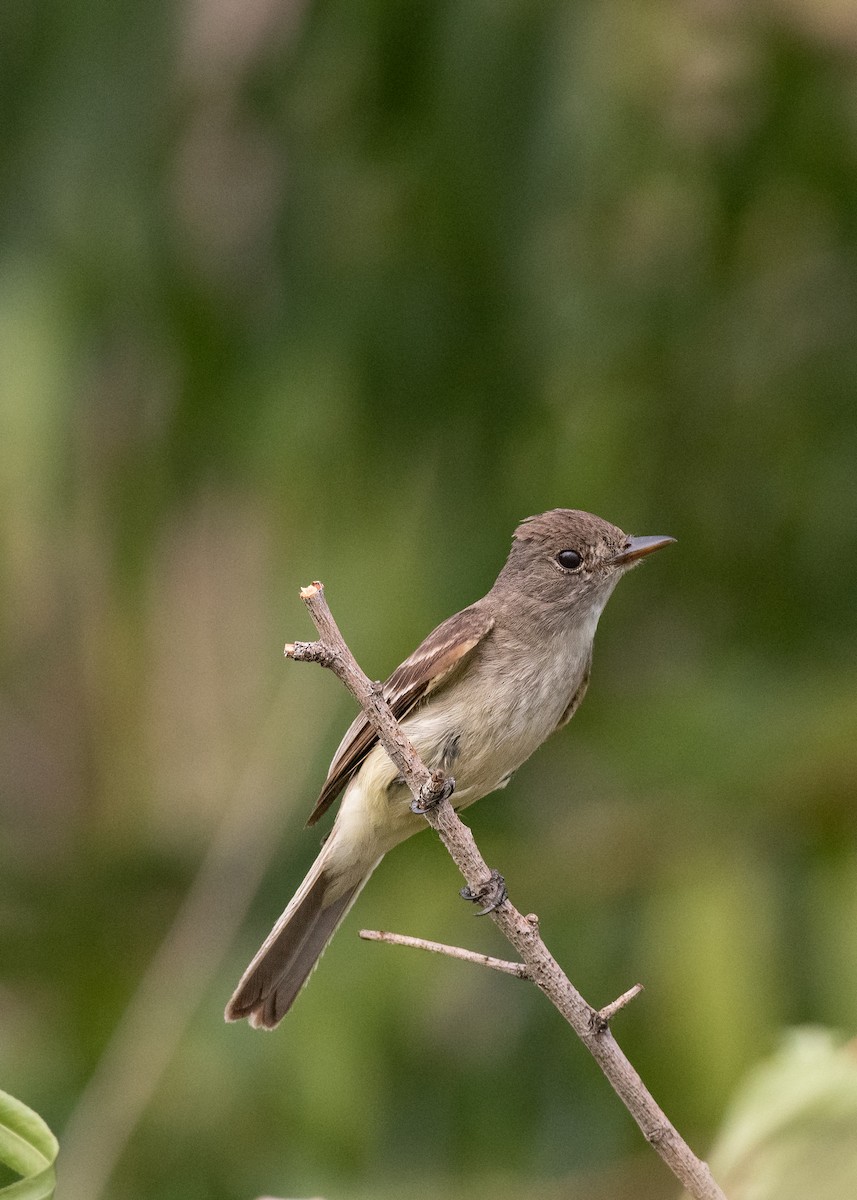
(295, 290)
(792, 1131)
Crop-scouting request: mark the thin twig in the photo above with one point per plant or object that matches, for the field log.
(431, 791)
(606, 1014)
(481, 960)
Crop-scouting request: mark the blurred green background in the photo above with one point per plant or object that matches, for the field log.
(294, 291)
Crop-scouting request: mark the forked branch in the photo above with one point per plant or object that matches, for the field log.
(431, 791)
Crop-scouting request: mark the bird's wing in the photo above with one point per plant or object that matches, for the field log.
(433, 663)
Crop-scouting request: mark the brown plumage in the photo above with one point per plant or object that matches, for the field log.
(478, 696)
(443, 652)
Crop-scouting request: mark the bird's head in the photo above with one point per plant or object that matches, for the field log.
(570, 561)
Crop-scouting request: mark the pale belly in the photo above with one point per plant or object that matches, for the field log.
(478, 735)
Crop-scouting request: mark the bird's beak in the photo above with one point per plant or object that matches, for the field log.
(638, 547)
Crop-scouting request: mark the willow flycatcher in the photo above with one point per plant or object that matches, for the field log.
(476, 698)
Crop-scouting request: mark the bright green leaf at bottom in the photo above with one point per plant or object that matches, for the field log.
(792, 1130)
(28, 1147)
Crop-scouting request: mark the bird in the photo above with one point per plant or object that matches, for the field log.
(476, 698)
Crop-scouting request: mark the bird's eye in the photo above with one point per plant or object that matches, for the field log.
(569, 559)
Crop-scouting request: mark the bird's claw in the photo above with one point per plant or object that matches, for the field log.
(437, 789)
(491, 894)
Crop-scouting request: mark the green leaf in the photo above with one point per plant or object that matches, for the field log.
(792, 1129)
(28, 1147)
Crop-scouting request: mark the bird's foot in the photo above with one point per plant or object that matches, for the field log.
(433, 792)
(491, 894)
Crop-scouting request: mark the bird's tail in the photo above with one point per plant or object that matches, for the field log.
(291, 950)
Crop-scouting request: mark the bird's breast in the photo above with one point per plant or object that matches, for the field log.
(479, 728)
(485, 725)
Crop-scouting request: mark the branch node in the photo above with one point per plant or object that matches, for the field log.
(317, 652)
(599, 1020)
(657, 1135)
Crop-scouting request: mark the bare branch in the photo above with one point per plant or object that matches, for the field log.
(430, 791)
(606, 1014)
(481, 960)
